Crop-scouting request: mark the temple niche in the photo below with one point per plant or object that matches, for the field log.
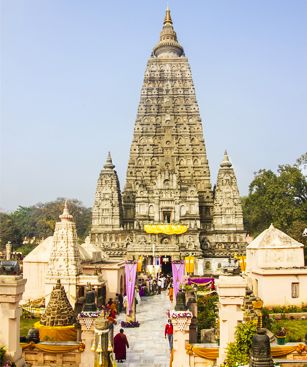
(168, 178)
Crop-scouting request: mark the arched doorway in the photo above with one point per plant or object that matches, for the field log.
(166, 264)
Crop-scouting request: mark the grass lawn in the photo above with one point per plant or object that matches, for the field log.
(25, 325)
(296, 329)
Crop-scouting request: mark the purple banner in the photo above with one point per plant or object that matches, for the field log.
(200, 280)
(178, 273)
(130, 272)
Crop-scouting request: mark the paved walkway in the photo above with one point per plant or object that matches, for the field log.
(148, 347)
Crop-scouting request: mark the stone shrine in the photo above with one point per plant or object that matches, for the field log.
(59, 311)
(168, 178)
(64, 262)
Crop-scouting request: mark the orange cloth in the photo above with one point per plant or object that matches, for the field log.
(56, 333)
(208, 353)
(171, 293)
(53, 348)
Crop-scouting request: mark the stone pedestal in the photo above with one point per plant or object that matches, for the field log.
(181, 327)
(11, 290)
(131, 317)
(231, 291)
(87, 337)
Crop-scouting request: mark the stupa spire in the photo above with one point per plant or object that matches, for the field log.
(226, 162)
(168, 18)
(66, 216)
(109, 164)
(168, 45)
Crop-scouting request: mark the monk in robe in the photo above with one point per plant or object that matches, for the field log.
(120, 344)
(171, 293)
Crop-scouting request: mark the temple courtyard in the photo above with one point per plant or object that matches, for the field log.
(148, 347)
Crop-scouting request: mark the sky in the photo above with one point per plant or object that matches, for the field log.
(72, 71)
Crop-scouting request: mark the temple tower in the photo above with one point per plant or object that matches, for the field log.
(227, 207)
(168, 176)
(107, 211)
(227, 236)
(65, 262)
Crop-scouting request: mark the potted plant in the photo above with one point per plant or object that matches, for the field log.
(281, 336)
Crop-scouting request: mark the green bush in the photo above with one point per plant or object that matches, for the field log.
(238, 351)
(287, 309)
(2, 354)
(206, 312)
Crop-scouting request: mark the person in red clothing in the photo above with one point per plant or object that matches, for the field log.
(120, 344)
(169, 332)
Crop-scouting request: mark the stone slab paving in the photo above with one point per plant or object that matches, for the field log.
(148, 347)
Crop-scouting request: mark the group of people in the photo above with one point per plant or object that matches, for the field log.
(154, 285)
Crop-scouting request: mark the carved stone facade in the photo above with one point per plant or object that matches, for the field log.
(168, 176)
(107, 210)
(59, 311)
(64, 262)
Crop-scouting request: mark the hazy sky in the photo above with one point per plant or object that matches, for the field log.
(72, 70)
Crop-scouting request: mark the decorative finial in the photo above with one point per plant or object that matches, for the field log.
(109, 164)
(168, 46)
(226, 162)
(66, 216)
(271, 226)
(168, 18)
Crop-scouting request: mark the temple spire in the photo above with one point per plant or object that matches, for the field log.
(66, 216)
(109, 164)
(226, 162)
(168, 18)
(168, 47)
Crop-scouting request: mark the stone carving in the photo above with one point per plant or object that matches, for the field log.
(9, 267)
(168, 176)
(59, 311)
(107, 209)
(65, 258)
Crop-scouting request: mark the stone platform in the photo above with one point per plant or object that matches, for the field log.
(148, 347)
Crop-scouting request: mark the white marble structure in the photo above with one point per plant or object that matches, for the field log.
(231, 291)
(275, 268)
(11, 289)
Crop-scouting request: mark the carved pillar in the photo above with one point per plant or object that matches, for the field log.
(11, 290)
(231, 291)
(8, 250)
(181, 323)
(87, 337)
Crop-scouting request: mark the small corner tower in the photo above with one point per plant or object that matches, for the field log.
(227, 207)
(107, 210)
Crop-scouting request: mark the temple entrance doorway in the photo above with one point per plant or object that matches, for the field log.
(166, 264)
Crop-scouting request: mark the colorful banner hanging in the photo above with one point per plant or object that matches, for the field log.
(140, 263)
(189, 264)
(165, 228)
(178, 273)
(130, 272)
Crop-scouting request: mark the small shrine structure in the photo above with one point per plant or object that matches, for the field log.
(275, 268)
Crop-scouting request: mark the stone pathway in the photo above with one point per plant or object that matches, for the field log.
(148, 347)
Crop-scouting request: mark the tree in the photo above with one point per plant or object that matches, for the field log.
(9, 231)
(279, 198)
(39, 221)
(238, 351)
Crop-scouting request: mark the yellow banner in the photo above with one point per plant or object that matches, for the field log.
(189, 264)
(165, 228)
(139, 264)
